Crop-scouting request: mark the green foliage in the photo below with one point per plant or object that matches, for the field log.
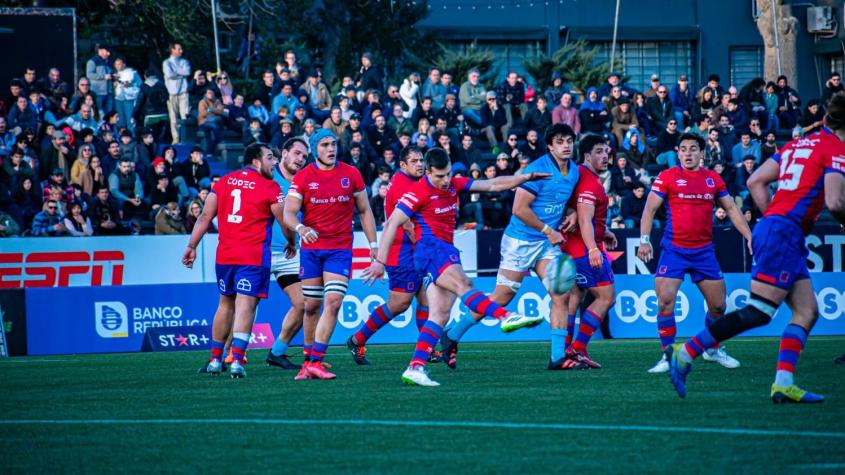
(576, 62)
(459, 62)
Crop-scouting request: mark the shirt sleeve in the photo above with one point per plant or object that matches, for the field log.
(358, 184)
(836, 163)
(410, 202)
(660, 186)
(461, 183)
(584, 195)
(273, 194)
(297, 188)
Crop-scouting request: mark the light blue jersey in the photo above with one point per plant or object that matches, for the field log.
(278, 242)
(550, 198)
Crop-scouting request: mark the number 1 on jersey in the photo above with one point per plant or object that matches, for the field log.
(234, 217)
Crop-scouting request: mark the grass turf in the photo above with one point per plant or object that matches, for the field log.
(494, 383)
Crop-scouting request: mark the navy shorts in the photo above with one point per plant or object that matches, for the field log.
(403, 279)
(313, 262)
(700, 263)
(432, 257)
(780, 253)
(253, 281)
(588, 278)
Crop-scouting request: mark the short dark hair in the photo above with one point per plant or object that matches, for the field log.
(383, 169)
(555, 130)
(436, 158)
(289, 143)
(196, 148)
(407, 151)
(694, 137)
(253, 152)
(589, 141)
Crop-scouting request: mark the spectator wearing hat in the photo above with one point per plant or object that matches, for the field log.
(308, 129)
(614, 80)
(176, 71)
(655, 83)
(282, 134)
(210, 119)
(682, 101)
(368, 76)
(623, 119)
(434, 88)
(57, 181)
(168, 219)
(98, 70)
(473, 97)
(451, 113)
(554, 92)
(58, 155)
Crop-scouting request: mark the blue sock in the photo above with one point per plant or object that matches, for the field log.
(458, 329)
(279, 347)
(558, 343)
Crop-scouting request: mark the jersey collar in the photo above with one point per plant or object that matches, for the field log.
(554, 166)
(587, 169)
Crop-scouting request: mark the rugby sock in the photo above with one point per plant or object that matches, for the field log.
(570, 328)
(589, 323)
(421, 316)
(279, 347)
(239, 342)
(696, 345)
(306, 351)
(457, 329)
(481, 304)
(426, 342)
(793, 341)
(217, 350)
(318, 351)
(558, 338)
(378, 318)
(666, 328)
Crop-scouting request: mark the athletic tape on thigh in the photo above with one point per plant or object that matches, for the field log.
(337, 287)
(504, 281)
(762, 305)
(313, 292)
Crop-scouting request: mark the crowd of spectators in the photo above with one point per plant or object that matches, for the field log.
(103, 157)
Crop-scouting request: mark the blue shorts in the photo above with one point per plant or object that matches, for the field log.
(403, 279)
(780, 253)
(313, 262)
(432, 257)
(588, 278)
(253, 281)
(700, 263)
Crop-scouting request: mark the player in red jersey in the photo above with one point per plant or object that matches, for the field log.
(586, 245)
(433, 202)
(327, 192)
(690, 193)
(810, 172)
(404, 281)
(246, 201)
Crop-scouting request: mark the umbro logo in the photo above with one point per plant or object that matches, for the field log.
(313, 185)
(681, 182)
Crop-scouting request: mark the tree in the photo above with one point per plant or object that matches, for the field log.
(459, 62)
(576, 63)
(787, 34)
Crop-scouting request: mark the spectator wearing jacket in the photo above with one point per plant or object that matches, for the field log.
(127, 88)
(592, 113)
(831, 87)
(539, 118)
(368, 76)
(566, 113)
(99, 74)
(434, 88)
(211, 118)
(473, 97)
(682, 101)
(48, 222)
(151, 105)
(789, 104)
(176, 71)
(125, 185)
(511, 96)
(660, 108)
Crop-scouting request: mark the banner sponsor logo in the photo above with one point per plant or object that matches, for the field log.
(111, 319)
(60, 268)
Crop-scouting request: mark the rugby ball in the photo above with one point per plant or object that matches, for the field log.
(560, 274)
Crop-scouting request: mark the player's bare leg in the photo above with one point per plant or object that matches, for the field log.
(245, 306)
(714, 295)
(440, 303)
(666, 289)
(397, 303)
(221, 328)
(590, 321)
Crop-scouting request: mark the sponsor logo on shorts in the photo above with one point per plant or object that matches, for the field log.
(662, 269)
(784, 276)
(453, 257)
(244, 285)
(221, 284)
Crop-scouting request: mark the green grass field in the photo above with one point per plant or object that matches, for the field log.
(499, 412)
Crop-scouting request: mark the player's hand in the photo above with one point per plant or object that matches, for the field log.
(373, 254)
(290, 251)
(555, 238)
(596, 258)
(610, 240)
(570, 223)
(750, 249)
(534, 176)
(645, 252)
(308, 235)
(189, 257)
(375, 271)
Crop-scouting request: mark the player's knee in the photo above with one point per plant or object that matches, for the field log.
(464, 285)
(398, 306)
(717, 309)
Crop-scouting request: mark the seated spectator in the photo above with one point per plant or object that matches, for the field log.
(169, 220)
(633, 206)
(105, 215)
(614, 212)
(236, 117)
(28, 198)
(381, 137)
(635, 150)
(592, 114)
(493, 119)
(503, 164)
(468, 153)
(660, 110)
(8, 226)
(623, 177)
(126, 187)
(769, 147)
(450, 112)
(383, 174)
(423, 128)
(254, 132)
(532, 148)
(162, 193)
(57, 181)
(789, 104)
(194, 211)
(641, 111)
(623, 120)
(196, 172)
(744, 148)
(335, 122)
(211, 119)
(58, 155)
(16, 169)
(470, 213)
(566, 113)
(84, 119)
(667, 142)
(76, 223)
(495, 206)
(713, 151)
(49, 221)
(749, 165)
(737, 115)
(377, 203)
(23, 116)
(700, 126)
(720, 218)
(257, 111)
(812, 120)
(682, 101)
(832, 86)
(756, 130)
(539, 118)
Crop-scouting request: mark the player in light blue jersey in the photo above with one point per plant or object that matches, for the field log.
(533, 236)
(286, 270)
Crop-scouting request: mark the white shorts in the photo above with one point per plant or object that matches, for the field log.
(520, 256)
(281, 265)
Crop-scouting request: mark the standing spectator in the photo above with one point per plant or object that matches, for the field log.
(831, 87)
(99, 74)
(682, 101)
(770, 100)
(667, 141)
(593, 114)
(409, 91)
(105, 215)
(127, 88)
(813, 119)
(126, 187)
(511, 95)
(744, 148)
(660, 108)
(76, 223)
(566, 113)
(633, 206)
(210, 118)
(473, 96)
(58, 155)
(434, 88)
(176, 71)
(368, 76)
(789, 104)
(151, 106)
(49, 221)
(169, 220)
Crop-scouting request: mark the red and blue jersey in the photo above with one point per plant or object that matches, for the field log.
(590, 191)
(328, 203)
(690, 197)
(803, 165)
(244, 219)
(402, 249)
(434, 211)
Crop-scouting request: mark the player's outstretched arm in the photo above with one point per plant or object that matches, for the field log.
(368, 220)
(645, 252)
(504, 183)
(522, 210)
(834, 195)
(758, 183)
(209, 211)
(376, 270)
